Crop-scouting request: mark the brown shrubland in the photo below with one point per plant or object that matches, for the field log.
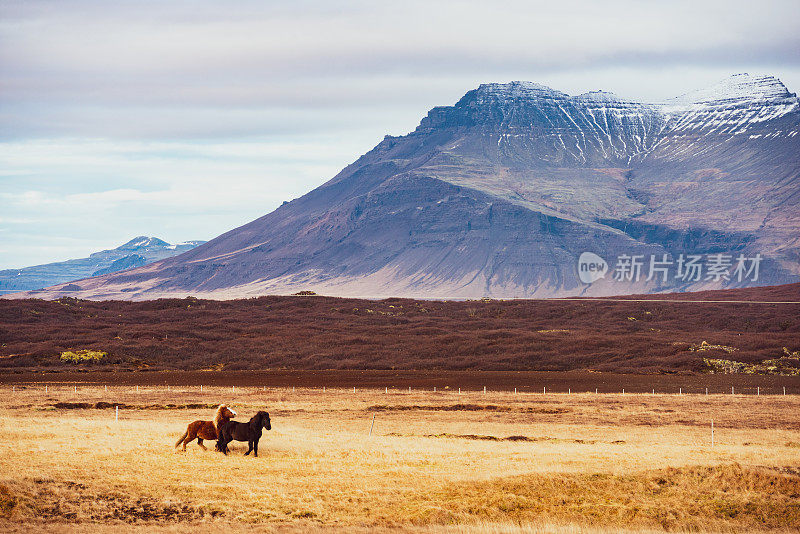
(303, 332)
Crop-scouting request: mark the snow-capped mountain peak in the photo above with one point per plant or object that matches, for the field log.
(144, 241)
(516, 90)
(736, 89)
(733, 106)
(598, 96)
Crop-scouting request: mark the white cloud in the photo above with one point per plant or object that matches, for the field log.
(100, 193)
(183, 120)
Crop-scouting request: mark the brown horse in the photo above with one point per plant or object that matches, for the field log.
(201, 430)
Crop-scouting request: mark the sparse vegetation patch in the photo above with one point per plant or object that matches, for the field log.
(786, 365)
(82, 356)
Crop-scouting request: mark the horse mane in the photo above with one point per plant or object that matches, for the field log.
(218, 417)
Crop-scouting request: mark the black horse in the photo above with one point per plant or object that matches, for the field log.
(249, 432)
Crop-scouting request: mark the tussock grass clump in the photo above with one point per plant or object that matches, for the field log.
(7, 502)
(57, 500)
(725, 497)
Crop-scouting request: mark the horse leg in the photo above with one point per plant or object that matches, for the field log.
(222, 443)
(249, 447)
(200, 442)
(255, 448)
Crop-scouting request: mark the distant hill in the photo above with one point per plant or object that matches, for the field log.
(137, 252)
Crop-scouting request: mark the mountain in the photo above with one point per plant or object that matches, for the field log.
(519, 190)
(135, 253)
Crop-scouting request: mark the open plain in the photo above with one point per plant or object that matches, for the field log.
(439, 461)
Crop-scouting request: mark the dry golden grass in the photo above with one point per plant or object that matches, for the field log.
(436, 462)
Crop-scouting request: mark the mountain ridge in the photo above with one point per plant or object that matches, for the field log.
(139, 251)
(498, 195)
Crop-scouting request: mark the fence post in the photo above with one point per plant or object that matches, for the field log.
(680, 391)
(758, 390)
(712, 432)
(434, 389)
(731, 390)
(484, 390)
(386, 390)
(372, 425)
(116, 413)
(515, 391)
(544, 390)
(354, 389)
(784, 390)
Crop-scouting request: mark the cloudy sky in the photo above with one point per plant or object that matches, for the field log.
(184, 119)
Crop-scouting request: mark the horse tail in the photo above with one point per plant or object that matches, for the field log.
(183, 437)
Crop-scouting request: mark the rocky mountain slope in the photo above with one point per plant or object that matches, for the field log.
(500, 195)
(135, 253)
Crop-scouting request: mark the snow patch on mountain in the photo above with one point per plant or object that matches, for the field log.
(737, 89)
(517, 89)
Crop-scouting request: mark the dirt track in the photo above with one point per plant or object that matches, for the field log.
(524, 381)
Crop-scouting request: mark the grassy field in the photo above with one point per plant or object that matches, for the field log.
(435, 462)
